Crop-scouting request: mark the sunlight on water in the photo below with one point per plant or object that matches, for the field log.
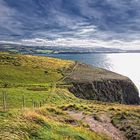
(126, 64)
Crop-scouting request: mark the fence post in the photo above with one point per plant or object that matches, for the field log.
(40, 103)
(4, 101)
(33, 102)
(23, 101)
(44, 101)
(37, 104)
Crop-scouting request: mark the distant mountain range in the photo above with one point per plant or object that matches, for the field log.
(14, 48)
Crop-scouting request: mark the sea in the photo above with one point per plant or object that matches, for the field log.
(127, 64)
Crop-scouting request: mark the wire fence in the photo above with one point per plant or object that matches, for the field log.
(7, 102)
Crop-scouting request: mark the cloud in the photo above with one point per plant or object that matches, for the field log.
(7, 20)
(73, 42)
(106, 23)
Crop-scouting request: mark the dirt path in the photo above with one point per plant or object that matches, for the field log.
(103, 126)
(73, 69)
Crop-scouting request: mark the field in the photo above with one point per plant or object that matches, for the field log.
(36, 107)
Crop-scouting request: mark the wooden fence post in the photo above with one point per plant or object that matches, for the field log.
(44, 101)
(4, 101)
(40, 103)
(33, 102)
(23, 101)
(37, 104)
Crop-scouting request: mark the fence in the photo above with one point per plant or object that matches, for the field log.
(23, 102)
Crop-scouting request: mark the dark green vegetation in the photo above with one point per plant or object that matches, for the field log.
(15, 48)
(42, 79)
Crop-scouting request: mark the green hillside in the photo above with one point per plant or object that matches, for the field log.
(35, 104)
(29, 76)
(28, 70)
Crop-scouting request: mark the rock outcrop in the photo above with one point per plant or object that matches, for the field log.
(94, 83)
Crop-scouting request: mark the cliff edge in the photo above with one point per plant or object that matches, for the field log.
(94, 83)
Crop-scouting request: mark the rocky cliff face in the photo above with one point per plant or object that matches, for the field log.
(93, 83)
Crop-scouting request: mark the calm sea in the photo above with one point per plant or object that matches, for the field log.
(127, 64)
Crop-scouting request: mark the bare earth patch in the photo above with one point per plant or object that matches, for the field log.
(103, 125)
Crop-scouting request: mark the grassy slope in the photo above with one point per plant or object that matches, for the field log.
(42, 124)
(26, 70)
(35, 78)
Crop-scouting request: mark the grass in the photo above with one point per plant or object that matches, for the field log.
(30, 76)
(32, 125)
(55, 96)
(35, 78)
(24, 69)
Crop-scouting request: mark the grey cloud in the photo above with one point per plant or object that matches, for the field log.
(78, 19)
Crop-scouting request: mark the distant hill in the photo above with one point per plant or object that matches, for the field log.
(55, 49)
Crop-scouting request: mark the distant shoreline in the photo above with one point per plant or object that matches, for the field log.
(83, 53)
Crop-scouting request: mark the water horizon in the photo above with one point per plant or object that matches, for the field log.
(126, 64)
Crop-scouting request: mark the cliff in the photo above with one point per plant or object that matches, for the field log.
(94, 83)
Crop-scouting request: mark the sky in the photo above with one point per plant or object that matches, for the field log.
(71, 23)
